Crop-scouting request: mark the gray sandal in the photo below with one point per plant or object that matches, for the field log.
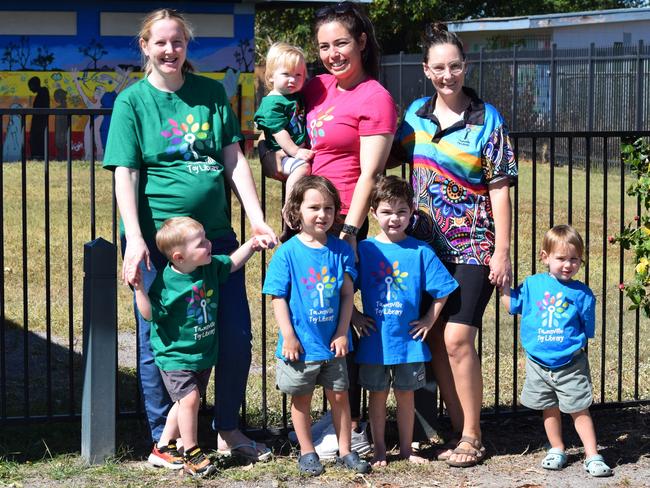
(354, 462)
(555, 459)
(310, 464)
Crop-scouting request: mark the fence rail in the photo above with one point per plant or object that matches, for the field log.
(49, 210)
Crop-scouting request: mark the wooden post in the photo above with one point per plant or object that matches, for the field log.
(99, 346)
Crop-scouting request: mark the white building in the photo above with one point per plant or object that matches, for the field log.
(605, 28)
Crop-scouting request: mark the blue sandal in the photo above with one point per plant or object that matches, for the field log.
(555, 459)
(354, 462)
(595, 466)
(310, 464)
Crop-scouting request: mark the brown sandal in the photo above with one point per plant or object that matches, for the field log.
(476, 453)
(443, 451)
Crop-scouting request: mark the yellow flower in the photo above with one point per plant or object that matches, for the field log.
(642, 266)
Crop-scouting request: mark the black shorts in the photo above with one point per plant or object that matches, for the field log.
(467, 303)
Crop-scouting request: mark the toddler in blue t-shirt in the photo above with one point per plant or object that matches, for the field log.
(557, 318)
(310, 279)
(394, 270)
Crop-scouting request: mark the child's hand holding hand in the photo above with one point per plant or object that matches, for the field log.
(339, 346)
(304, 154)
(362, 324)
(135, 278)
(291, 348)
(262, 241)
(421, 327)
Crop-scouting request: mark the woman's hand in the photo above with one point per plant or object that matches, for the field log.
(500, 269)
(264, 230)
(135, 253)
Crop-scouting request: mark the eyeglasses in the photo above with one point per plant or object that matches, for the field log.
(338, 9)
(455, 68)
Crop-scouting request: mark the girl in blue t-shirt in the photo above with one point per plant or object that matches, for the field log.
(557, 318)
(310, 279)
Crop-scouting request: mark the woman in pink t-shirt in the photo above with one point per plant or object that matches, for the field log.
(351, 120)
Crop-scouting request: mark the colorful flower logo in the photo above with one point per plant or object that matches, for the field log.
(551, 308)
(316, 125)
(201, 306)
(389, 278)
(449, 197)
(186, 137)
(321, 285)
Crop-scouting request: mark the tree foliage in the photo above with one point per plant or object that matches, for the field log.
(399, 24)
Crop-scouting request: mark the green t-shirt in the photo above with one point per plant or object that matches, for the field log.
(176, 140)
(277, 112)
(184, 316)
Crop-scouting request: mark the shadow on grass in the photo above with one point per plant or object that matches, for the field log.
(44, 379)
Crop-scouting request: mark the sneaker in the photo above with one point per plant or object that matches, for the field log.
(327, 445)
(166, 456)
(197, 463)
(359, 442)
(317, 428)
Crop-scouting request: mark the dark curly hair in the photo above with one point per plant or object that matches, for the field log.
(391, 189)
(291, 211)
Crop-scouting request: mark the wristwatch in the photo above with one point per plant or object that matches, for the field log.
(350, 230)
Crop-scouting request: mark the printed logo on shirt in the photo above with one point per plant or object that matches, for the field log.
(321, 286)
(390, 281)
(189, 138)
(297, 122)
(316, 129)
(203, 309)
(551, 309)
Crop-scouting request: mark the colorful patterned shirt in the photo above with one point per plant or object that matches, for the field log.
(452, 169)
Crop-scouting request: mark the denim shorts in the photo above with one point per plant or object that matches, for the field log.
(380, 377)
(568, 387)
(299, 378)
(180, 383)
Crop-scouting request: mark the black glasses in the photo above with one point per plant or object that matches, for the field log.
(338, 9)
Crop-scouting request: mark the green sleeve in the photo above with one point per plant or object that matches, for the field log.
(123, 146)
(222, 264)
(228, 124)
(272, 115)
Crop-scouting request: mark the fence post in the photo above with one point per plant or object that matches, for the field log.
(553, 84)
(639, 86)
(591, 88)
(99, 346)
(480, 72)
(515, 81)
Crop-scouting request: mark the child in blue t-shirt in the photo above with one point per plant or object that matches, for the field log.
(310, 279)
(394, 270)
(557, 318)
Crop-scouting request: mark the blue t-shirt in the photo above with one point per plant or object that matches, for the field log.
(310, 279)
(557, 317)
(392, 277)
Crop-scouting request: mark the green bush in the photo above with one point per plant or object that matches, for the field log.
(636, 235)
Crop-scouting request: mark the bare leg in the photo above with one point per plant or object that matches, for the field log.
(188, 410)
(377, 414)
(300, 172)
(341, 419)
(553, 427)
(585, 427)
(171, 427)
(301, 418)
(405, 420)
(444, 377)
(468, 380)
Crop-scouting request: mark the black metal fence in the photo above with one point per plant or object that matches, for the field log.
(49, 209)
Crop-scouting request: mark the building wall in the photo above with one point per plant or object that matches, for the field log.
(603, 35)
(86, 52)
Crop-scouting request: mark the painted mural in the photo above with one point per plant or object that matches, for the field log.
(88, 71)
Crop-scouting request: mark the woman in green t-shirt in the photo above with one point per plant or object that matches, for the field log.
(173, 138)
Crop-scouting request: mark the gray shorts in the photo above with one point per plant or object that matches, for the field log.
(299, 378)
(380, 377)
(568, 387)
(180, 383)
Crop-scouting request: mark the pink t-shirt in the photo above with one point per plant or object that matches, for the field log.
(335, 121)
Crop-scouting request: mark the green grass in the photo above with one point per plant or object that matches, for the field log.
(603, 220)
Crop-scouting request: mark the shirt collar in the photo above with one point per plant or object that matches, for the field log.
(473, 115)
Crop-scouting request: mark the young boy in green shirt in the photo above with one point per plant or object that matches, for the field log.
(181, 305)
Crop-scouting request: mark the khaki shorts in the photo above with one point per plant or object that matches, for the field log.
(568, 387)
(299, 378)
(380, 377)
